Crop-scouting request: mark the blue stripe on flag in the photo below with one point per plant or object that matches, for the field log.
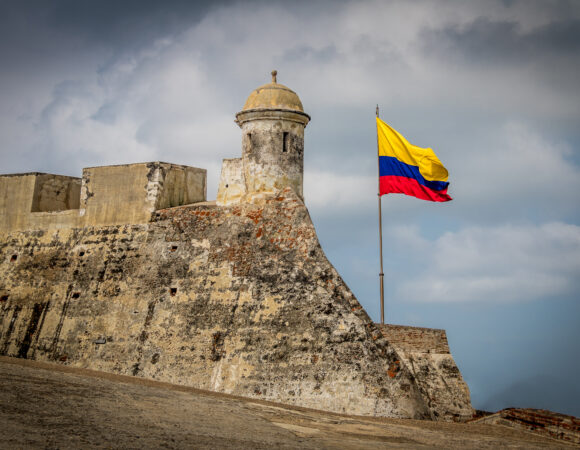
(389, 165)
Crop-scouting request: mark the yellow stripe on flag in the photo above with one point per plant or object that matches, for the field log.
(392, 143)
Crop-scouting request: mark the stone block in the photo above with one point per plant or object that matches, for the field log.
(232, 187)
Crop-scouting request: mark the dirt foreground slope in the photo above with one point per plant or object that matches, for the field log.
(45, 405)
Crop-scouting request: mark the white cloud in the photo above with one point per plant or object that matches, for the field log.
(496, 264)
(327, 190)
(513, 172)
(175, 99)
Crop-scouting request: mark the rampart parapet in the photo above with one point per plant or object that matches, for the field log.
(107, 195)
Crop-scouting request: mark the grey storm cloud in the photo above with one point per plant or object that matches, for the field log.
(107, 21)
(484, 41)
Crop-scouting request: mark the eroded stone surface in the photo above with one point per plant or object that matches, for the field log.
(239, 300)
(232, 187)
(425, 351)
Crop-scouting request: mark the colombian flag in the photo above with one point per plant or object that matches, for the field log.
(407, 169)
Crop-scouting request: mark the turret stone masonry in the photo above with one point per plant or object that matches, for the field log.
(130, 270)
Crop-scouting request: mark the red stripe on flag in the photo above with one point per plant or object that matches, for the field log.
(402, 185)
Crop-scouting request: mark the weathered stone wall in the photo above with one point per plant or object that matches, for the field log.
(16, 192)
(232, 187)
(130, 193)
(233, 299)
(273, 155)
(180, 185)
(540, 421)
(425, 352)
(108, 195)
(416, 339)
(56, 193)
(23, 194)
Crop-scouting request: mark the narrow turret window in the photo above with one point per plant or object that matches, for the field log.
(249, 141)
(285, 142)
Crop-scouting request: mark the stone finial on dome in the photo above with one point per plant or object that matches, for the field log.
(274, 73)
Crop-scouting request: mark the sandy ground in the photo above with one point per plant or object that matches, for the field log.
(51, 406)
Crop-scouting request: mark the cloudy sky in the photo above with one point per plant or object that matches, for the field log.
(492, 86)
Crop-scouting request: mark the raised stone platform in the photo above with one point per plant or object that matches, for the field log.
(107, 195)
(237, 299)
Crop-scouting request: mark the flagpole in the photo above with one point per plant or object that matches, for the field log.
(381, 274)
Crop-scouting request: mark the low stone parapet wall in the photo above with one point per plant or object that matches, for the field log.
(426, 352)
(541, 421)
(416, 339)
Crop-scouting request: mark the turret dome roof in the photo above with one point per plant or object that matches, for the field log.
(273, 96)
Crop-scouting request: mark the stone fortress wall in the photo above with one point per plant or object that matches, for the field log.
(130, 270)
(108, 195)
(539, 421)
(425, 351)
(417, 339)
